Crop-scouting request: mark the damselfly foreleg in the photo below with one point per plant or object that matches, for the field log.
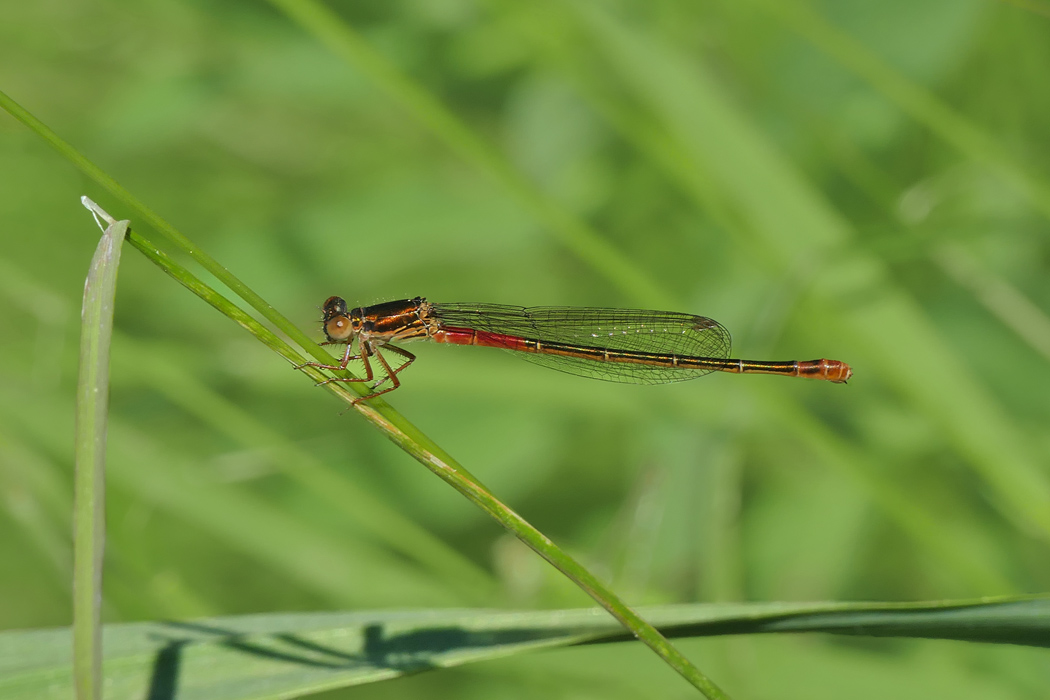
(368, 349)
(347, 359)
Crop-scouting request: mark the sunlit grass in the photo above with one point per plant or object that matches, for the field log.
(807, 177)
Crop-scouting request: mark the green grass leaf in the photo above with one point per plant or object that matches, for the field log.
(89, 502)
(287, 655)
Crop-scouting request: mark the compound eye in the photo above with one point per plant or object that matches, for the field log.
(334, 306)
(338, 328)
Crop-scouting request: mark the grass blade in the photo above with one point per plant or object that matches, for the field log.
(288, 655)
(337, 35)
(409, 438)
(89, 503)
(399, 430)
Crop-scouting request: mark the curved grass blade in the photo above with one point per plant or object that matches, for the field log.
(390, 422)
(409, 438)
(288, 655)
(89, 503)
(341, 38)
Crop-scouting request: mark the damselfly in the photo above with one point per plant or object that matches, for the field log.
(617, 345)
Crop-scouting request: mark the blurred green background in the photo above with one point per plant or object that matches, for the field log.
(855, 180)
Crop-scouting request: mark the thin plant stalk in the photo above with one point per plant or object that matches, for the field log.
(89, 502)
(415, 443)
(378, 412)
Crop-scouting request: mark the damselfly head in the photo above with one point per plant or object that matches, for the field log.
(338, 326)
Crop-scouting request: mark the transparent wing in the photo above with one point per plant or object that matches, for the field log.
(657, 333)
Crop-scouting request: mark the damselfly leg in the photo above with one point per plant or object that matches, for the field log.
(366, 349)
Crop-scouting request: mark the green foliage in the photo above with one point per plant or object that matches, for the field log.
(852, 180)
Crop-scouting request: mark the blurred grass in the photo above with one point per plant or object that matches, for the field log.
(730, 161)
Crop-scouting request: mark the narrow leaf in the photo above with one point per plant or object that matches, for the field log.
(288, 655)
(89, 514)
